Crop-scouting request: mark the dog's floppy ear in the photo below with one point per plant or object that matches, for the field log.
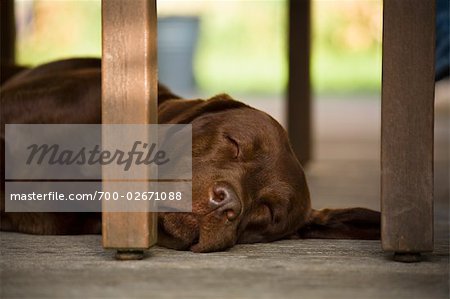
(353, 223)
(182, 111)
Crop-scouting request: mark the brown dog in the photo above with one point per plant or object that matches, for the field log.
(248, 185)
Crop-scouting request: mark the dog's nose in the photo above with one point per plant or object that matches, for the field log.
(224, 200)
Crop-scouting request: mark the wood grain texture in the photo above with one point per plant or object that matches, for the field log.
(407, 125)
(299, 90)
(129, 96)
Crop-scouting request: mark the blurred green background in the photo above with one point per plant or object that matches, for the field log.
(242, 44)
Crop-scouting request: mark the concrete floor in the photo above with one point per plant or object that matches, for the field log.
(74, 267)
(77, 266)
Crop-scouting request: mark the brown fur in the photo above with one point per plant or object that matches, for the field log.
(233, 145)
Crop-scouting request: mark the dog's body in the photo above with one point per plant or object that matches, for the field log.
(247, 184)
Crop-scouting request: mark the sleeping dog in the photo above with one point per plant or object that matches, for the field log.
(248, 185)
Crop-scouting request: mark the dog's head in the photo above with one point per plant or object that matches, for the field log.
(248, 185)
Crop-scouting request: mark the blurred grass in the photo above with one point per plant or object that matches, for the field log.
(334, 73)
(242, 48)
(346, 46)
(58, 29)
(242, 45)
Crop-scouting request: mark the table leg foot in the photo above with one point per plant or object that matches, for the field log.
(129, 255)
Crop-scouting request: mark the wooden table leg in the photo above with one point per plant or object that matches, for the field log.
(407, 127)
(299, 90)
(8, 32)
(8, 66)
(129, 96)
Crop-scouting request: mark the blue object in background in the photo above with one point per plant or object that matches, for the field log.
(442, 39)
(177, 40)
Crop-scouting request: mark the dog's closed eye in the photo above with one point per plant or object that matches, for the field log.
(235, 145)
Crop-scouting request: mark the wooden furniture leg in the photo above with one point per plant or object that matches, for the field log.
(129, 96)
(8, 32)
(407, 128)
(7, 41)
(299, 90)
